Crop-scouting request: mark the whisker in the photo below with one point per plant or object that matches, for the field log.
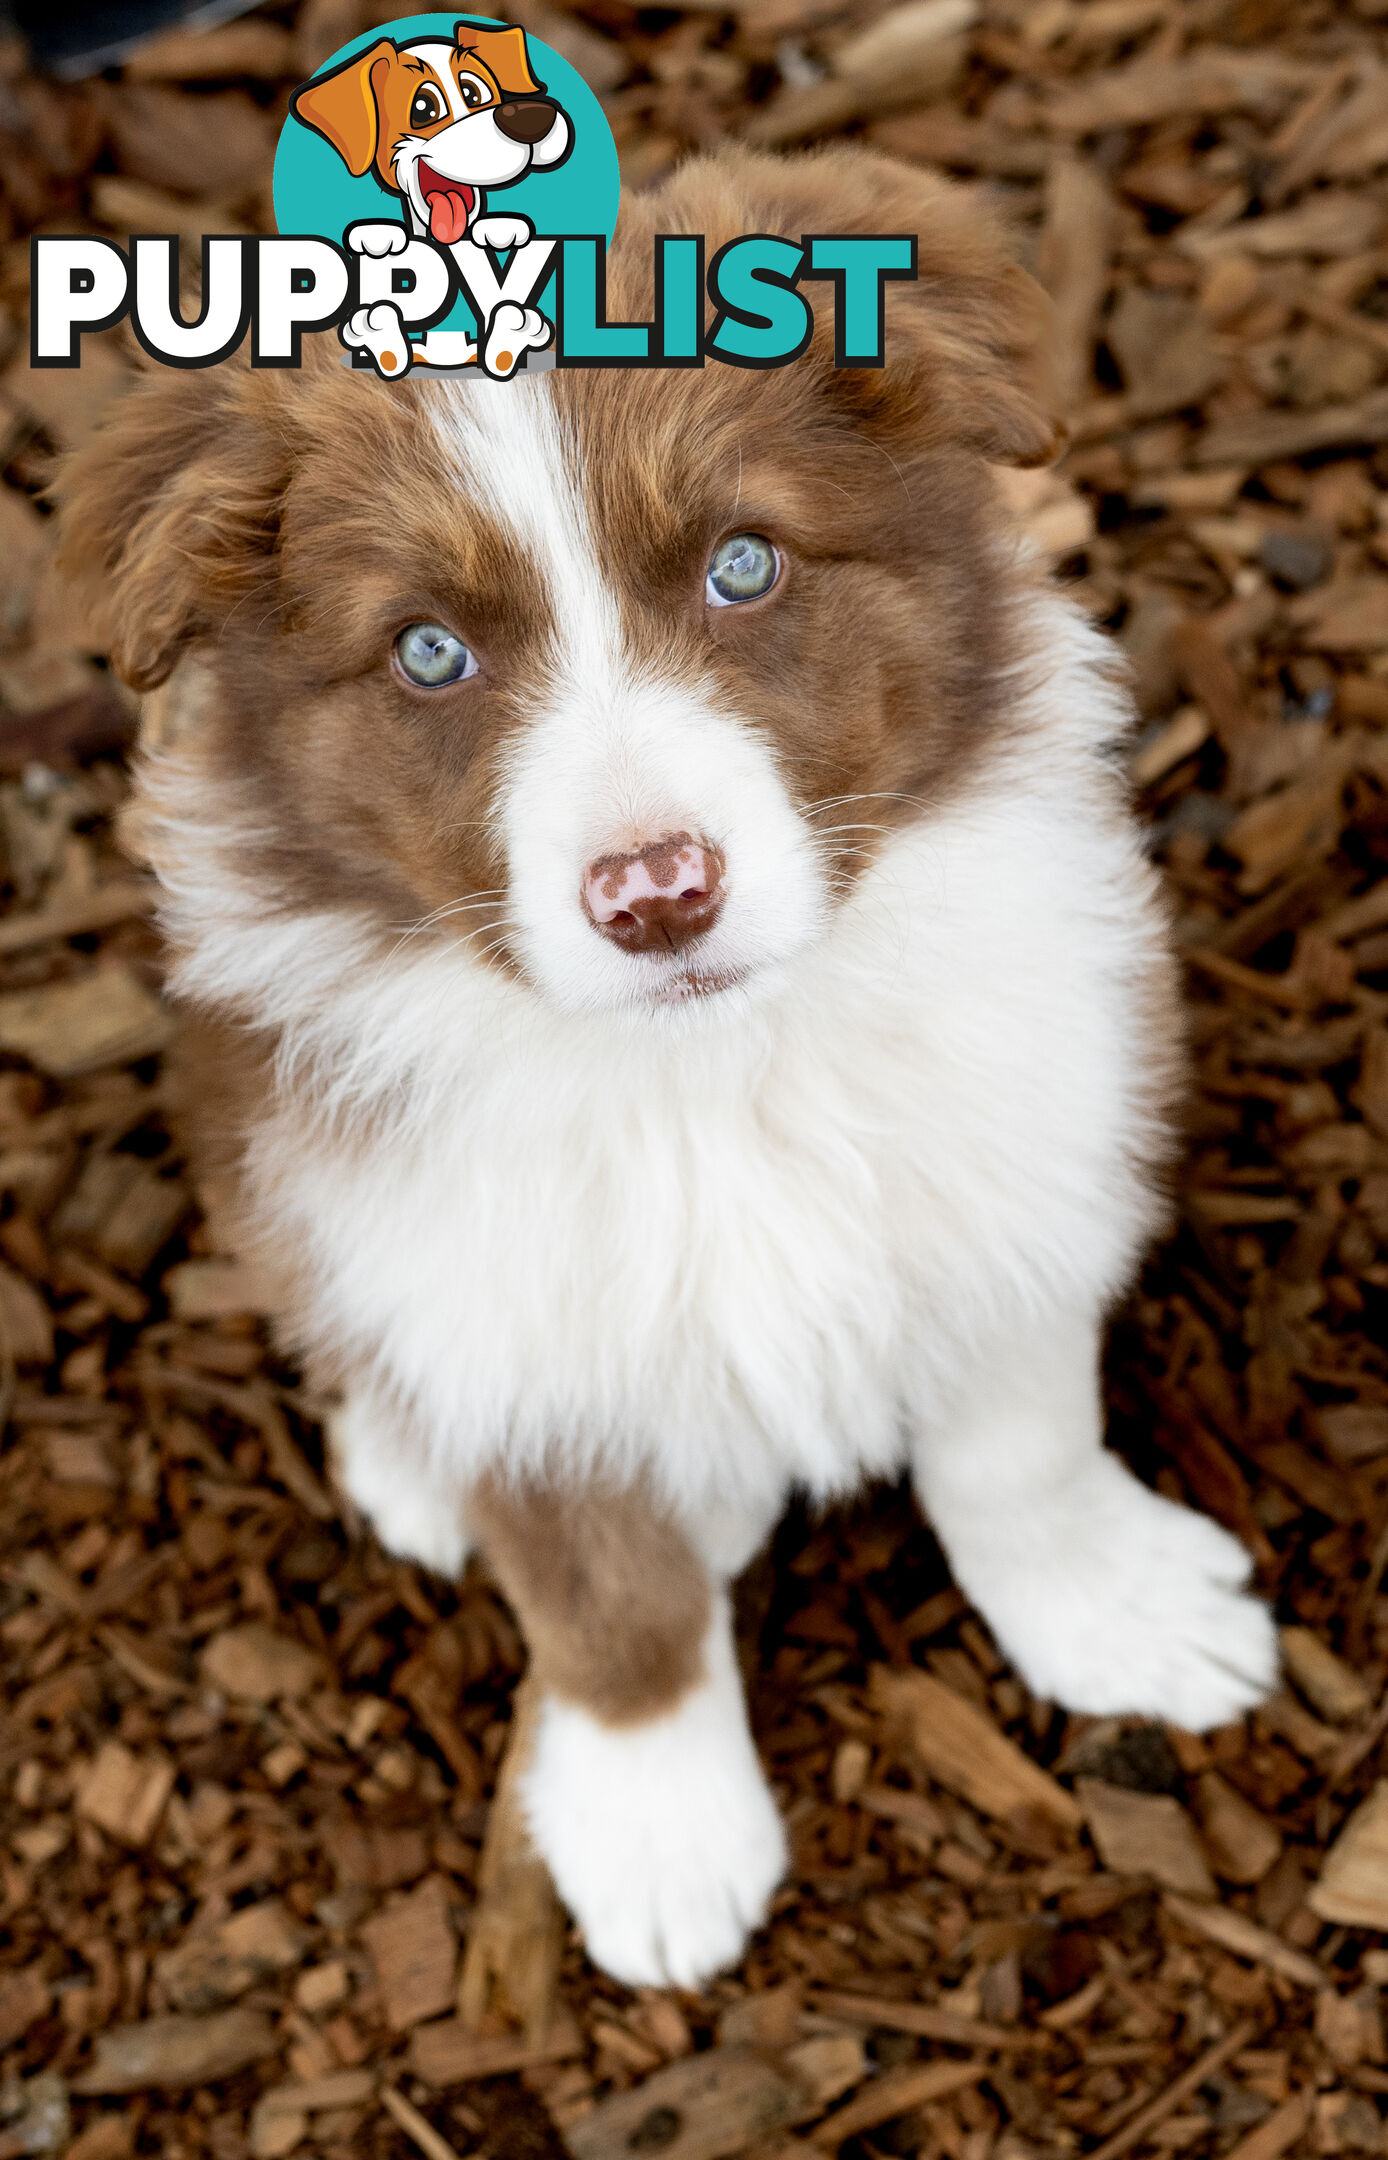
(841, 802)
(452, 907)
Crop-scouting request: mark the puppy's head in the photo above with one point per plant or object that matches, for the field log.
(437, 123)
(619, 678)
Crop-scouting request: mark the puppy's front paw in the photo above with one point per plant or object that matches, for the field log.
(501, 233)
(662, 1838)
(1113, 1600)
(512, 331)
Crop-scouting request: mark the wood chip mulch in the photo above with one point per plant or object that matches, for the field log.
(246, 1757)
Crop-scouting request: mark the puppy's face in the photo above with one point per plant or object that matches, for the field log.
(614, 679)
(439, 122)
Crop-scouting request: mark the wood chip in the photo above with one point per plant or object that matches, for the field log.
(1165, 346)
(1280, 2130)
(1145, 1834)
(966, 1753)
(24, 1999)
(1330, 223)
(416, 2127)
(893, 2093)
(124, 1794)
(1077, 236)
(1241, 1842)
(515, 1937)
(1211, 80)
(1235, 1932)
(210, 1970)
(26, 1324)
(1353, 1886)
(216, 1290)
(1261, 438)
(112, 903)
(1329, 1685)
(923, 2019)
(175, 2054)
(107, 1017)
(448, 2052)
(414, 1948)
(702, 2108)
(258, 1664)
(1354, 1432)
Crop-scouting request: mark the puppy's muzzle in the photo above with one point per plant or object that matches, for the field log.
(526, 120)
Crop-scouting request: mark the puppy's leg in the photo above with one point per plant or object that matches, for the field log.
(414, 1510)
(1106, 1597)
(643, 1790)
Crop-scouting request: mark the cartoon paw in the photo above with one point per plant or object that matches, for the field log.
(513, 331)
(380, 330)
(371, 237)
(502, 233)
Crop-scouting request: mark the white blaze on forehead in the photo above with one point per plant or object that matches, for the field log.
(510, 452)
(436, 53)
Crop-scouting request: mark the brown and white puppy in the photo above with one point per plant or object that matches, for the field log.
(438, 124)
(704, 1015)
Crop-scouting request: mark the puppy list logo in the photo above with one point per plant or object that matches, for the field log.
(446, 190)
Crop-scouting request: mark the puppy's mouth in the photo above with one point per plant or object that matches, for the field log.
(687, 984)
(450, 203)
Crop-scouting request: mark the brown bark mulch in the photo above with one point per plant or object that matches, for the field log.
(246, 1757)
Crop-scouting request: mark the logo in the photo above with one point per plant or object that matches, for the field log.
(445, 190)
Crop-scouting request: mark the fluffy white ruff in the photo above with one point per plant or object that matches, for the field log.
(662, 1838)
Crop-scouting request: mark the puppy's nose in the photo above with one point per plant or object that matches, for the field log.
(658, 899)
(526, 120)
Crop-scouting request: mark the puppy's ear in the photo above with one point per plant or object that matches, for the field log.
(503, 53)
(168, 517)
(344, 107)
(968, 343)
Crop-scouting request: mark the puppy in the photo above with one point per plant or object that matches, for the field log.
(694, 1019)
(437, 123)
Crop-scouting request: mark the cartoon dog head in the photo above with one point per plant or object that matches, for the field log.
(438, 123)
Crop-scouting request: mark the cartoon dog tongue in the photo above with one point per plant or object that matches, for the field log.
(448, 213)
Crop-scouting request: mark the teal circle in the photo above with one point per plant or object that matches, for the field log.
(315, 193)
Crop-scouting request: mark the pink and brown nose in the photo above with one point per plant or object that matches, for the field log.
(658, 899)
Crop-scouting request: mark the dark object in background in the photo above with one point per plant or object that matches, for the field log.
(71, 38)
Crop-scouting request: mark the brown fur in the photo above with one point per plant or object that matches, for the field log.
(612, 1602)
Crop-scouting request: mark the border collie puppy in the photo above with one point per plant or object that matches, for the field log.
(681, 994)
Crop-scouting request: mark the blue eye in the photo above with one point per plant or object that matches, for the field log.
(744, 566)
(432, 656)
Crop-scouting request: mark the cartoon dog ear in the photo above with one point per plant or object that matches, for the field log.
(344, 106)
(504, 54)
